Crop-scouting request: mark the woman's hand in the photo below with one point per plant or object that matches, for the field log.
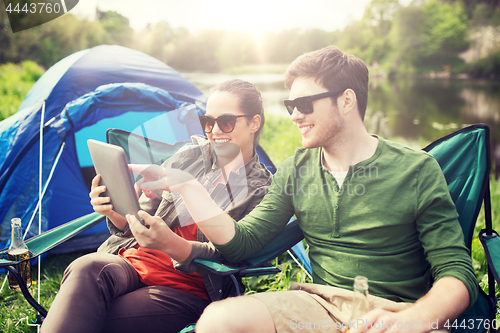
(156, 177)
(100, 204)
(157, 237)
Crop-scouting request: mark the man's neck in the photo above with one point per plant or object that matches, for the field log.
(349, 150)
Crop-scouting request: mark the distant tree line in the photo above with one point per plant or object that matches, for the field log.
(426, 35)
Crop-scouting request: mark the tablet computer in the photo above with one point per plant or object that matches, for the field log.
(110, 162)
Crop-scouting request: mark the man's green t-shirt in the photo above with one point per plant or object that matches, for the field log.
(392, 220)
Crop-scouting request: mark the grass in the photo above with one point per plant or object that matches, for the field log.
(16, 314)
(280, 138)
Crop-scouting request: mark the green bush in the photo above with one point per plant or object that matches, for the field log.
(488, 67)
(15, 82)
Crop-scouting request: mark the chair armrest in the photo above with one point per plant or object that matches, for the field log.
(491, 245)
(51, 238)
(288, 237)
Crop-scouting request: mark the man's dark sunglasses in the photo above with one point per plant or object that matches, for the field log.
(305, 105)
(226, 122)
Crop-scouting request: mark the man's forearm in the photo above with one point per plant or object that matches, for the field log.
(447, 299)
(217, 225)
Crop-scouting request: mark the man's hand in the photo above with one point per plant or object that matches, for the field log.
(156, 177)
(446, 300)
(379, 320)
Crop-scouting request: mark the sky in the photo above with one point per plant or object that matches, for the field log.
(248, 15)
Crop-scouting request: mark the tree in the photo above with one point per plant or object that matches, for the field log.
(430, 35)
(236, 48)
(117, 27)
(380, 13)
(197, 52)
(5, 34)
(407, 34)
(161, 36)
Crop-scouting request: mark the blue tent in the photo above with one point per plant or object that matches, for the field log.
(78, 99)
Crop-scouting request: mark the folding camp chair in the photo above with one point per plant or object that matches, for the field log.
(464, 157)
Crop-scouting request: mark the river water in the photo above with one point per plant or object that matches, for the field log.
(413, 111)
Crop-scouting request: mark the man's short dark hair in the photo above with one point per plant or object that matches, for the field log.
(333, 69)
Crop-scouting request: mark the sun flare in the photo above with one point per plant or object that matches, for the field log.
(251, 17)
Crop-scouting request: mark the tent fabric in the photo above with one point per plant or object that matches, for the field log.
(79, 97)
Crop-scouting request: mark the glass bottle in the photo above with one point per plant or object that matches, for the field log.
(19, 251)
(360, 305)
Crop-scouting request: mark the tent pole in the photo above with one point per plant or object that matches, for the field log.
(40, 179)
(300, 265)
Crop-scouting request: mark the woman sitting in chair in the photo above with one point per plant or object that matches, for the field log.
(130, 287)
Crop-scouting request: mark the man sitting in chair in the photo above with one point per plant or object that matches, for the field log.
(367, 206)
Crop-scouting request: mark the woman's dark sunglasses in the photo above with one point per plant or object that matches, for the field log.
(305, 105)
(226, 122)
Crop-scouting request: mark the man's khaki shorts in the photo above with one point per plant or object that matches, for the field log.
(317, 308)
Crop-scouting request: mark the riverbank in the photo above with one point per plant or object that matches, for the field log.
(487, 68)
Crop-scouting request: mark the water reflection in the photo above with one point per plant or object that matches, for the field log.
(425, 110)
(414, 111)
(421, 111)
